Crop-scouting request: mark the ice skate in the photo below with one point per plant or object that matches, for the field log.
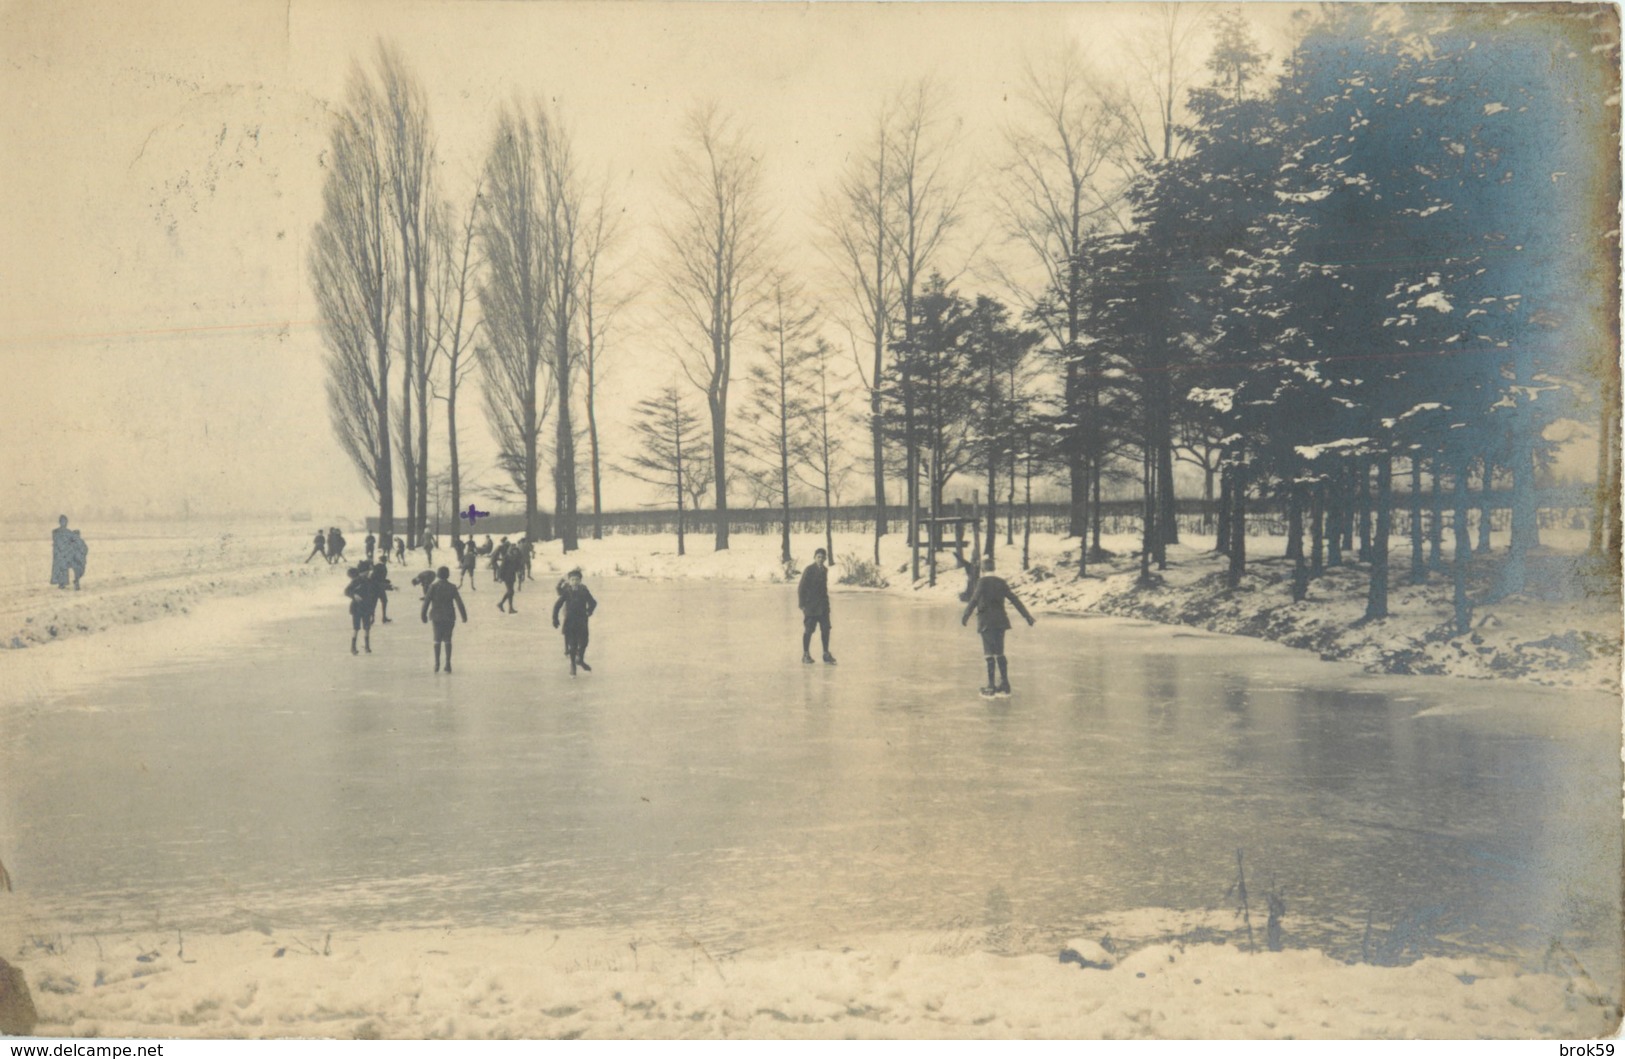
(1003, 691)
(806, 658)
(829, 659)
(988, 692)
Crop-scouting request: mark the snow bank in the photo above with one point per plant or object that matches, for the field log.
(134, 578)
(419, 984)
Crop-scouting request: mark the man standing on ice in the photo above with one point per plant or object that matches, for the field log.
(813, 595)
(987, 602)
(320, 549)
(443, 603)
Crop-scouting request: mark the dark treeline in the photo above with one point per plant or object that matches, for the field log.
(1368, 268)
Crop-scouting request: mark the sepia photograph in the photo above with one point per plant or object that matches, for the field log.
(904, 520)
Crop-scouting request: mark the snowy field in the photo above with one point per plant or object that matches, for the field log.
(1164, 973)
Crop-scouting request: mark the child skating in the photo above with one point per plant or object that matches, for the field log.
(363, 593)
(813, 596)
(987, 603)
(443, 603)
(578, 605)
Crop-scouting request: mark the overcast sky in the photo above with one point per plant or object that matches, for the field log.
(155, 320)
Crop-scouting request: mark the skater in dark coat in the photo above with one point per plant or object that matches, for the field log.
(335, 546)
(443, 603)
(372, 546)
(578, 605)
(813, 596)
(987, 603)
(382, 588)
(465, 567)
(319, 549)
(363, 593)
(507, 561)
(400, 549)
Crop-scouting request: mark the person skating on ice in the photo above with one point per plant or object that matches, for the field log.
(507, 565)
(320, 548)
(578, 605)
(443, 603)
(466, 567)
(813, 596)
(372, 545)
(400, 550)
(987, 603)
(382, 587)
(363, 593)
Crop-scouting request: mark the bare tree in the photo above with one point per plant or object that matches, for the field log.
(599, 306)
(454, 333)
(1149, 101)
(351, 269)
(824, 464)
(857, 220)
(409, 164)
(926, 207)
(780, 399)
(563, 201)
(1060, 187)
(514, 301)
(715, 263)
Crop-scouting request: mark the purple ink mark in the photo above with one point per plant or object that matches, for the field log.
(473, 513)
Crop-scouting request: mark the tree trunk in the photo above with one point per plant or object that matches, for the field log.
(912, 460)
(1419, 569)
(719, 468)
(1027, 520)
(1294, 522)
(1377, 598)
(451, 457)
(1148, 511)
(1294, 546)
(1238, 525)
(1464, 553)
(1363, 472)
(1333, 500)
(1167, 503)
(784, 476)
(1486, 484)
(1221, 538)
(1436, 522)
(597, 467)
(1317, 528)
(1525, 525)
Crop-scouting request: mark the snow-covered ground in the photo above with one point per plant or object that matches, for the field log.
(1168, 978)
(611, 985)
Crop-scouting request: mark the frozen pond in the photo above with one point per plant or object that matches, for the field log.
(703, 782)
